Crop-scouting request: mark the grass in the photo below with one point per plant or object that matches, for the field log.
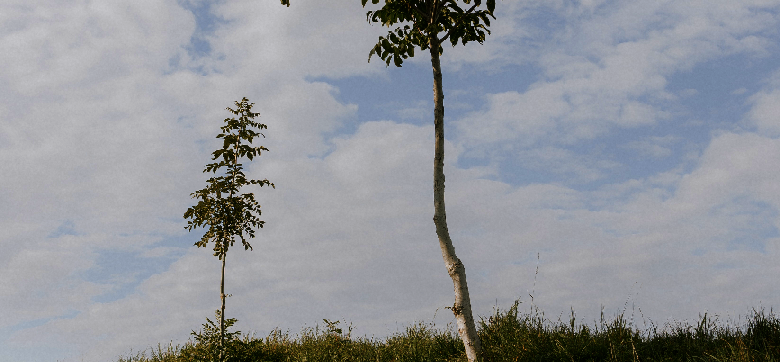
(506, 336)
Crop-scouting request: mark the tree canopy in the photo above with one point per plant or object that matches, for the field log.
(428, 18)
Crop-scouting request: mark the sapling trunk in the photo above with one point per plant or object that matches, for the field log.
(224, 255)
(222, 313)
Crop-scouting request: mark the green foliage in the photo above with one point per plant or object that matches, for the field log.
(286, 2)
(422, 342)
(506, 336)
(428, 18)
(208, 341)
(509, 337)
(221, 209)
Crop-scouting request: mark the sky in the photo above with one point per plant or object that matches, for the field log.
(601, 155)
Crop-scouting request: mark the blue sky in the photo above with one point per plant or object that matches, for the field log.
(632, 146)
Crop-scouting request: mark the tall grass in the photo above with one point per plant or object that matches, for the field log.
(506, 336)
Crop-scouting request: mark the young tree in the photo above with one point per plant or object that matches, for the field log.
(221, 209)
(426, 20)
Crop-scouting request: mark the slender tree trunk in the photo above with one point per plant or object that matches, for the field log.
(222, 282)
(462, 307)
(222, 313)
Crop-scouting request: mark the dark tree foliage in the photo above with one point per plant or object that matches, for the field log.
(428, 18)
(222, 210)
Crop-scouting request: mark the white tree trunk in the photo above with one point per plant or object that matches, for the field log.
(462, 307)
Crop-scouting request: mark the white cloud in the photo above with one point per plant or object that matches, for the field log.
(102, 140)
(601, 243)
(508, 30)
(765, 113)
(511, 116)
(736, 166)
(417, 111)
(575, 168)
(611, 68)
(68, 150)
(326, 254)
(155, 314)
(656, 147)
(100, 132)
(40, 281)
(277, 42)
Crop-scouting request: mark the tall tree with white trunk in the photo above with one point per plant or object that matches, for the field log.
(429, 23)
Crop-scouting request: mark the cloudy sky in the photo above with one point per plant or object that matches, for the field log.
(629, 150)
